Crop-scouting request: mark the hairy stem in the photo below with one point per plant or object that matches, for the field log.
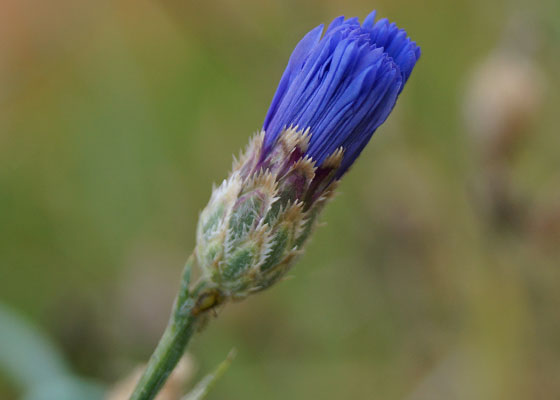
(170, 349)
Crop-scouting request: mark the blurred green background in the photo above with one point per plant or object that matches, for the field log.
(437, 273)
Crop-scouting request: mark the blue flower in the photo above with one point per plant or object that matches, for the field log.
(342, 86)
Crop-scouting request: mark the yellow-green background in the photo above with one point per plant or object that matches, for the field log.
(117, 116)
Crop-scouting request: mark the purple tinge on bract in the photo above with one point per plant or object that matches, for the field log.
(342, 86)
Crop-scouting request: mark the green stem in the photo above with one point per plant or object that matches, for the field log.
(170, 349)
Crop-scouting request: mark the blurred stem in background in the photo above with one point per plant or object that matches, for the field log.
(203, 387)
(503, 99)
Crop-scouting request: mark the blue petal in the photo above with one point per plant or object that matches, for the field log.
(295, 63)
(368, 22)
(342, 87)
(335, 24)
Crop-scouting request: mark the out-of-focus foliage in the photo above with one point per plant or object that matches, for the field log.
(116, 117)
(35, 365)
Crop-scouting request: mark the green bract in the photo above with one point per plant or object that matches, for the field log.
(258, 219)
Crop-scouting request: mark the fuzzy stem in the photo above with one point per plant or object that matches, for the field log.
(170, 349)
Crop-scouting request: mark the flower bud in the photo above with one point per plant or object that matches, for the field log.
(336, 91)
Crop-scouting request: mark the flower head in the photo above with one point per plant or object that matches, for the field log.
(334, 93)
(342, 86)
